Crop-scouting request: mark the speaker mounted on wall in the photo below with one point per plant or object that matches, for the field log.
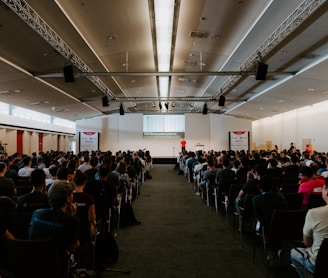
(205, 109)
(121, 110)
(261, 71)
(221, 100)
(105, 101)
(69, 73)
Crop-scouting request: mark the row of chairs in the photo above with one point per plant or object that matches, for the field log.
(292, 220)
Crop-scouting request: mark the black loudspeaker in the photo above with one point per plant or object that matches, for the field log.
(105, 101)
(69, 73)
(205, 109)
(221, 100)
(261, 71)
(121, 110)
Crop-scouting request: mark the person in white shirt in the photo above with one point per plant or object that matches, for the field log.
(27, 169)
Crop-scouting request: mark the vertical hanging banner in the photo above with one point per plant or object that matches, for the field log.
(89, 141)
(239, 140)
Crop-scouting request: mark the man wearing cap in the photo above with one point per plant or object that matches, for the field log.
(58, 222)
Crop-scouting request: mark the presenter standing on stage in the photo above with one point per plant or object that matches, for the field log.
(183, 145)
(2, 148)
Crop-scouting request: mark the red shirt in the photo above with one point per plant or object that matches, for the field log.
(183, 143)
(310, 186)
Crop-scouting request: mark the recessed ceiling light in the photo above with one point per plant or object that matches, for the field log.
(5, 92)
(310, 89)
(281, 100)
(133, 81)
(261, 108)
(35, 103)
(17, 91)
(216, 37)
(283, 52)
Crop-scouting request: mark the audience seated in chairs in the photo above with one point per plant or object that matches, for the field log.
(309, 184)
(208, 182)
(127, 217)
(7, 185)
(58, 222)
(27, 169)
(85, 204)
(250, 187)
(263, 206)
(315, 230)
(37, 198)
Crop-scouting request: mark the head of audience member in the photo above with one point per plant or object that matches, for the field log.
(260, 170)
(94, 161)
(80, 178)
(265, 184)
(38, 178)
(60, 194)
(121, 167)
(306, 172)
(53, 169)
(27, 161)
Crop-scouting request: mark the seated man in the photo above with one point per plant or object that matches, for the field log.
(314, 231)
(263, 206)
(58, 222)
(309, 184)
(209, 175)
(37, 198)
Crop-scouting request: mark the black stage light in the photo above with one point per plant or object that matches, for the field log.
(69, 73)
(205, 109)
(121, 110)
(221, 100)
(167, 105)
(160, 106)
(261, 71)
(104, 101)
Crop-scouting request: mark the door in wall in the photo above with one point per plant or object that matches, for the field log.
(20, 141)
(40, 142)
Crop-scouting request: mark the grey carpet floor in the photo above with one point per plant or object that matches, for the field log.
(181, 237)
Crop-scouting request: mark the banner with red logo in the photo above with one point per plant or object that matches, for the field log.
(89, 141)
(239, 140)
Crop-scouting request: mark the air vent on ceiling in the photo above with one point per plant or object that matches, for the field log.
(183, 79)
(199, 35)
(189, 63)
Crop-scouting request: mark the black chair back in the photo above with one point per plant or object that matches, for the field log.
(287, 225)
(294, 200)
(33, 258)
(315, 200)
(321, 266)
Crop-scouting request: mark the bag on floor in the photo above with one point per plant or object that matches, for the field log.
(106, 249)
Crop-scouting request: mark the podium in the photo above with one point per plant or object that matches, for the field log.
(199, 147)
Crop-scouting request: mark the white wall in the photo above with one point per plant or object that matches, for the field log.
(8, 135)
(125, 133)
(294, 126)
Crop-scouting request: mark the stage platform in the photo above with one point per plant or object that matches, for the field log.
(164, 160)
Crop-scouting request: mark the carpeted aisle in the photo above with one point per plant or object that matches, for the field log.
(180, 236)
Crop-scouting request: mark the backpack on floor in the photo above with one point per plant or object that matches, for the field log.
(106, 249)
